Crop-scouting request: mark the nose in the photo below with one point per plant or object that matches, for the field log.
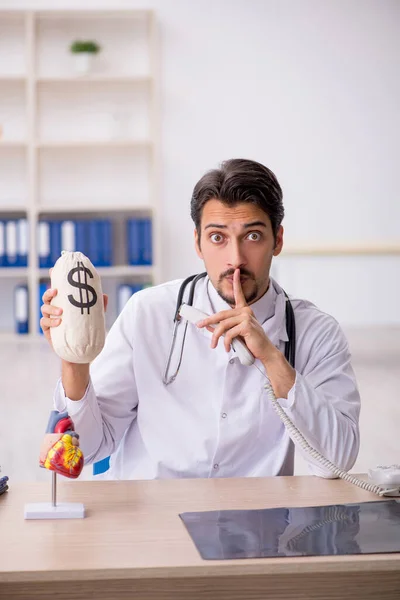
(236, 258)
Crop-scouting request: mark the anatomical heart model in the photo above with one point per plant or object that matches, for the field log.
(60, 450)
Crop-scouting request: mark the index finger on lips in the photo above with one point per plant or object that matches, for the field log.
(240, 300)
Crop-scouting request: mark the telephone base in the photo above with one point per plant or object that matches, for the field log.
(387, 477)
(392, 493)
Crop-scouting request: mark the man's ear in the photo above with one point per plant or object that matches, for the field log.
(279, 242)
(197, 244)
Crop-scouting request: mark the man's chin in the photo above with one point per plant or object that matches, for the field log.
(226, 294)
(228, 299)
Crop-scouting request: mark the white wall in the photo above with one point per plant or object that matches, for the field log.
(311, 89)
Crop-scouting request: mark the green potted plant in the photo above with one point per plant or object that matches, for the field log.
(84, 51)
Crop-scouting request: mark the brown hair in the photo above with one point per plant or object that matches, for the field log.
(239, 180)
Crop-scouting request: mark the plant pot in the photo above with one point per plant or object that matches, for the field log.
(83, 62)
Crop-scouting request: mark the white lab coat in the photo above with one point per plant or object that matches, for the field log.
(215, 419)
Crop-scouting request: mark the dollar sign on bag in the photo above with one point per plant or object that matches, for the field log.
(84, 288)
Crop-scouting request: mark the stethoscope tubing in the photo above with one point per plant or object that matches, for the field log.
(290, 345)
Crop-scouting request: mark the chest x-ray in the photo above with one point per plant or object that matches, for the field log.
(343, 529)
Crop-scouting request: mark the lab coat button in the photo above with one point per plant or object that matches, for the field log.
(224, 415)
(232, 361)
(216, 466)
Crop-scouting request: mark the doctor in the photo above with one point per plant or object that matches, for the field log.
(214, 419)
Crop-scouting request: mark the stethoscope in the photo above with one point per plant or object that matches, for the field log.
(290, 345)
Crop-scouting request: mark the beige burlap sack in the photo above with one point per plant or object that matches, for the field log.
(81, 334)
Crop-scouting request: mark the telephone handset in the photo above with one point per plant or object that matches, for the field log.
(194, 315)
(387, 477)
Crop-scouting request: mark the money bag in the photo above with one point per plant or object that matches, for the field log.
(81, 334)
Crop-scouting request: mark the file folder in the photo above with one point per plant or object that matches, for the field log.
(123, 294)
(43, 286)
(94, 241)
(43, 242)
(101, 466)
(68, 236)
(21, 309)
(133, 241)
(146, 253)
(55, 241)
(125, 291)
(3, 262)
(105, 242)
(11, 244)
(23, 242)
(81, 237)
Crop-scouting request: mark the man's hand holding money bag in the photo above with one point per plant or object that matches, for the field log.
(73, 322)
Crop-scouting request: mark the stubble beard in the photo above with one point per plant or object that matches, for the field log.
(250, 296)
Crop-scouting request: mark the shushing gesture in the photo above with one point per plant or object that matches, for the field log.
(239, 322)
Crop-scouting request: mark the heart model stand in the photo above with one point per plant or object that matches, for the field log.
(60, 453)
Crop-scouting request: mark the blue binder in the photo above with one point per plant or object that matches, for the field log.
(43, 286)
(136, 288)
(94, 242)
(81, 237)
(55, 241)
(105, 242)
(22, 242)
(146, 242)
(11, 244)
(124, 292)
(133, 241)
(21, 309)
(2, 244)
(43, 241)
(101, 466)
(68, 235)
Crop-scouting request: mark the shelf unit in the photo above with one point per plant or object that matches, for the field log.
(77, 146)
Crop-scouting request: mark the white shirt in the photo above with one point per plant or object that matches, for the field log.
(215, 419)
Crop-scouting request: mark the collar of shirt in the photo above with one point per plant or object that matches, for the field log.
(269, 310)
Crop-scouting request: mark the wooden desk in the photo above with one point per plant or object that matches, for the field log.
(133, 545)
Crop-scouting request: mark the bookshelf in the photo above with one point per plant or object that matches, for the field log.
(76, 146)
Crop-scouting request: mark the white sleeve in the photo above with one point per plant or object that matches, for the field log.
(110, 402)
(324, 404)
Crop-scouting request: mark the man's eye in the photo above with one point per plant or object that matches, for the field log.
(216, 238)
(254, 236)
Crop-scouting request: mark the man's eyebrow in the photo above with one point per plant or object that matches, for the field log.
(215, 225)
(246, 226)
(255, 224)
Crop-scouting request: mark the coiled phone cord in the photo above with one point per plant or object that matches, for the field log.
(300, 439)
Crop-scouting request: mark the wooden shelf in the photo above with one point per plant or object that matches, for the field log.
(115, 271)
(12, 14)
(11, 336)
(13, 144)
(52, 102)
(13, 272)
(123, 270)
(12, 209)
(12, 79)
(95, 79)
(93, 208)
(95, 14)
(94, 144)
(362, 250)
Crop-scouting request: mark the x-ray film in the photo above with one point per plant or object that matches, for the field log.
(342, 529)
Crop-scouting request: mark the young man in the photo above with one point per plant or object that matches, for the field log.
(214, 419)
